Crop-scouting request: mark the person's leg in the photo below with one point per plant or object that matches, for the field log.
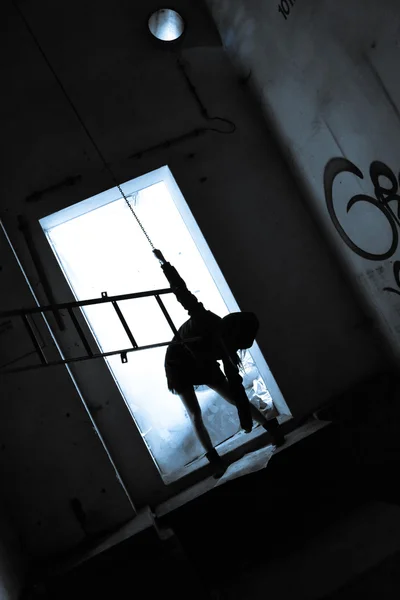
(272, 426)
(190, 402)
(223, 390)
(192, 406)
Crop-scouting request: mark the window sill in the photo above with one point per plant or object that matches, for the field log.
(234, 448)
(228, 447)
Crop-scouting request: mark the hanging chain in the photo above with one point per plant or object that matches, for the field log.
(81, 121)
(136, 217)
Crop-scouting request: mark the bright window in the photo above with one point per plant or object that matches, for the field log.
(100, 248)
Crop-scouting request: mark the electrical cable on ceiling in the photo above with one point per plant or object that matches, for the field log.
(81, 121)
(182, 65)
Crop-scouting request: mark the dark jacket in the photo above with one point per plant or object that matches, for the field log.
(195, 363)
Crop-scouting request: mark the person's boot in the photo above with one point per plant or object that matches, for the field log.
(273, 428)
(218, 465)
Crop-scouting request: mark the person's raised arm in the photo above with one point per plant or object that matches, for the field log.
(186, 298)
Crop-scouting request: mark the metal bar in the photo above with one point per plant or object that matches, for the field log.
(166, 314)
(26, 232)
(80, 331)
(99, 355)
(34, 339)
(67, 305)
(124, 324)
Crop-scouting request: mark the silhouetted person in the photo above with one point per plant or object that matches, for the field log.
(195, 363)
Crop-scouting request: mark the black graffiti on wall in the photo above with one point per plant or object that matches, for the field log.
(386, 187)
(285, 7)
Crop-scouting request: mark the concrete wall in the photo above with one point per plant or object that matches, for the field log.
(11, 563)
(132, 95)
(325, 74)
(339, 556)
(50, 455)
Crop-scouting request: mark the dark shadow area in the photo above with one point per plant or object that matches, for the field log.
(204, 548)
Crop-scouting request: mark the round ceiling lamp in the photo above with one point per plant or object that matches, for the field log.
(166, 25)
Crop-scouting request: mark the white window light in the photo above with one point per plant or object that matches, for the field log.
(100, 248)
